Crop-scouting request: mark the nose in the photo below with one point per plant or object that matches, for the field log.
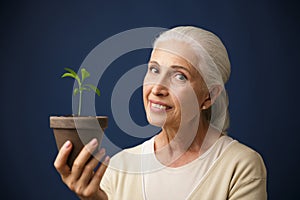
(159, 90)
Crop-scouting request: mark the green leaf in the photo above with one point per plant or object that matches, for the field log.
(95, 89)
(74, 74)
(83, 88)
(84, 74)
(76, 90)
(68, 75)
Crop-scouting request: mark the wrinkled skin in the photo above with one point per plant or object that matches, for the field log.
(82, 178)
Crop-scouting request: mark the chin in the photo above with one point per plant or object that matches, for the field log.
(154, 121)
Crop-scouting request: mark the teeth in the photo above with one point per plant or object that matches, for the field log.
(158, 106)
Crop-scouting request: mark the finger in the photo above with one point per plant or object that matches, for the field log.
(88, 171)
(83, 157)
(99, 173)
(94, 186)
(60, 162)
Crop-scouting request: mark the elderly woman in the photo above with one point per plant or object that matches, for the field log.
(192, 157)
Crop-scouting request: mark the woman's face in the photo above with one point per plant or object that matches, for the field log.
(173, 90)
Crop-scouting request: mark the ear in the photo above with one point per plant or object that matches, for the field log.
(214, 92)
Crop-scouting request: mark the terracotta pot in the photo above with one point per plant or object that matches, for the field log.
(78, 130)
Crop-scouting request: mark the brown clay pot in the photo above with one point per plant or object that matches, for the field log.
(78, 130)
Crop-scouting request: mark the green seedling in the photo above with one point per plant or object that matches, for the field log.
(81, 86)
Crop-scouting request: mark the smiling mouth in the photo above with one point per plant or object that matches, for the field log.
(160, 107)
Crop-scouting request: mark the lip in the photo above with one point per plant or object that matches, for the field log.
(160, 103)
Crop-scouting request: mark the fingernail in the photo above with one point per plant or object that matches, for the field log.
(67, 144)
(106, 159)
(94, 142)
(102, 151)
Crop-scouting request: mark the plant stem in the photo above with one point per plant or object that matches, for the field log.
(79, 106)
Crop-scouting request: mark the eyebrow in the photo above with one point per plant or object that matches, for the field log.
(174, 67)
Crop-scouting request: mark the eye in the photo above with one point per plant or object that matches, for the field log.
(154, 69)
(180, 77)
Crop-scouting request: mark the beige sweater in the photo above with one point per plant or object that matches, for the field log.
(238, 173)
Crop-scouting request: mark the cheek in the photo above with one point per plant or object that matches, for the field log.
(181, 96)
(146, 92)
(186, 101)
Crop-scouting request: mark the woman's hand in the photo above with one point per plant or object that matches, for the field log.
(81, 178)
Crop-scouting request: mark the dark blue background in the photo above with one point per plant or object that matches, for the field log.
(40, 38)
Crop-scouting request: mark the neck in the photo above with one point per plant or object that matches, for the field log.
(190, 139)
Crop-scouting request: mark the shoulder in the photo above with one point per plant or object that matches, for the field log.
(136, 150)
(244, 162)
(123, 172)
(245, 155)
(248, 172)
(127, 160)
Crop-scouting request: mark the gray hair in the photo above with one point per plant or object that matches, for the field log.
(213, 64)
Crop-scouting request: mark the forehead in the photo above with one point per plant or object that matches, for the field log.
(166, 58)
(177, 51)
